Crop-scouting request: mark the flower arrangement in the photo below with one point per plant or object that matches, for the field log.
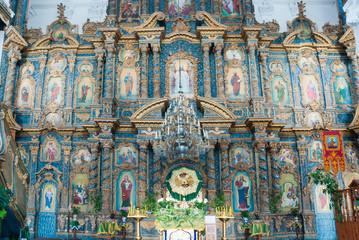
(201, 204)
(295, 212)
(297, 225)
(245, 213)
(123, 212)
(75, 210)
(150, 204)
(219, 201)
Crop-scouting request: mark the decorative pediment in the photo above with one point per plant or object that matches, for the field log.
(320, 40)
(149, 29)
(141, 117)
(14, 38)
(209, 21)
(355, 123)
(348, 38)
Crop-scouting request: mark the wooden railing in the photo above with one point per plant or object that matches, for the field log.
(347, 216)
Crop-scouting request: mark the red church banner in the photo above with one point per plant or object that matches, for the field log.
(333, 151)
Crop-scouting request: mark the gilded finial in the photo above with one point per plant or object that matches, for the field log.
(301, 8)
(61, 11)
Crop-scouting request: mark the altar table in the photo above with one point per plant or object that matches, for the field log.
(108, 228)
(258, 229)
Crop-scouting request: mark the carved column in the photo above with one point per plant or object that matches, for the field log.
(203, 5)
(216, 6)
(157, 174)
(70, 80)
(225, 181)
(100, 54)
(156, 70)
(275, 170)
(34, 149)
(157, 5)
(262, 174)
(144, 70)
(323, 65)
(14, 56)
(144, 9)
(353, 58)
(110, 59)
(111, 9)
(302, 149)
(42, 62)
(66, 175)
(142, 174)
(206, 70)
(219, 69)
(254, 80)
(211, 172)
(93, 176)
(292, 58)
(263, 56)
(108, 145)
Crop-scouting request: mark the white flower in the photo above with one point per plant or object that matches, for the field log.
(205, 200)
(199, 200)
(160, 200)
(168, 199)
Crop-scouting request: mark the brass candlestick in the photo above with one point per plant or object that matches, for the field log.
(224, 215)
(138, 215)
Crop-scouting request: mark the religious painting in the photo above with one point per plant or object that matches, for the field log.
(280, 90)
(315, 151)
(181, 75)
(307, 62)
(338, 67)
(129, 55)
(184, 184)
(230, 8)
(86, 68)
(240, 154)
(236, 85)
(26, 93)
(304, 32)
(80, 191)
(286, 157)
(332, 142)
(48, 195)
(234, 54)
(126, 190)
(351, 154)
(25, 157)
(322, 200)
(85, 91)
(130, 9)
(57, 63)
(242, 190)
(179, 7)
(50, 150)
(55, 90)
(27, 69)
(289, 188)
(60, 34)
(311, 90)
(81, 157)
(314, 119)
(128, 84)
(341, 90)
(276, 66)
(126, 154)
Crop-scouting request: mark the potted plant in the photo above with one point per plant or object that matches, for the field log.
(4, 202)
(124, 214)
(219, 201)
(245, 215)
(150, 204)
(295, 213)
(75, 225)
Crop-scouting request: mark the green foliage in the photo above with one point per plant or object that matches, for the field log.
(124, 212)
(297, 225)
(273, 202)
(295, 212)
(201, 205)
(4, 201)
(245, 213)
(178, 215)
(244, 226)
(150, 203)
(96, 202)
(75, 210)
(166, 204)
(331, 188)
(219, 201)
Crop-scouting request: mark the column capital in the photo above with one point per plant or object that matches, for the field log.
(94, 146)
(108, 143)
(274, 147)
(34, 149)
(67, 150)
(206, 47)
(144, 47)
(143, 143)
(224, 143)
(218, 46)
(156, 47)
(263, 55)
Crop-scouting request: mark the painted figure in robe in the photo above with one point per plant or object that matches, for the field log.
(126, 189)
(242, 188)
(280, 92)
(128, 84)
(317, 151)
(51, 152)
(55, 90)
(312, 91)
(236, 83)
(183, 76)
(48, 199)
(289, 199)
(231, 8)
(25, 95)
(84, 91)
